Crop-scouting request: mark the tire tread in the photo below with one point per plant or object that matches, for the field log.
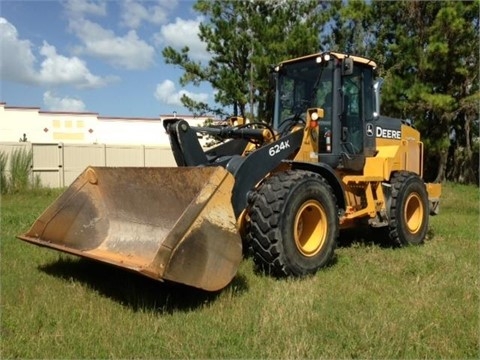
(265, 213)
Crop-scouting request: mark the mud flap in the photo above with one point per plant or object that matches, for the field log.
(434, 191)
(175, 224)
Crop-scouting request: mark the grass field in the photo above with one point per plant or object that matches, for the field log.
(373, 302)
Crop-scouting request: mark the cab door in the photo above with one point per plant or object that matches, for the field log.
(357, 110)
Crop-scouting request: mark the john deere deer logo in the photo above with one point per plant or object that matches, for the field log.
(370, 131)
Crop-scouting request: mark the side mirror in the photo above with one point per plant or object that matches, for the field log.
(377, 86)
(347, 66)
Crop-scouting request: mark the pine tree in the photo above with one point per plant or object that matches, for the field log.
(246, 38)
(431, 70)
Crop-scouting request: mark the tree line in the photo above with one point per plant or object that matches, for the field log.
(427, 52)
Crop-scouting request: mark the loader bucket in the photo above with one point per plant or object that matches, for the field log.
(173, 224)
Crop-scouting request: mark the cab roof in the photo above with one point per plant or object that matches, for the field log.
(340, 56)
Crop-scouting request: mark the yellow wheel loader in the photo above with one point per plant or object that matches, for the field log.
(326, 161)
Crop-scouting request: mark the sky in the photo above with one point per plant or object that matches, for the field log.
(98, 56)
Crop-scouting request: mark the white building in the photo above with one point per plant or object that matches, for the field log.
(38, 126)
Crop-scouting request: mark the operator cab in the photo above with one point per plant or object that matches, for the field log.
(342, 86)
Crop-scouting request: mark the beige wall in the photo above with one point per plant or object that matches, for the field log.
(64, 144)
(59, 164)
(82, 128)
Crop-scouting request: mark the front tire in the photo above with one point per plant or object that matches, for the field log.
(409, 212)
(293, 224)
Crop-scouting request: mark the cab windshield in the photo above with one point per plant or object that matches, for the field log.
(300, 86)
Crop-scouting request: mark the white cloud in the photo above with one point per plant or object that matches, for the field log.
(55, 103)
(16, 57)
(136, 12)
(17, 63)
(167, 94)
(57, 69)
(127, 52)
(183, 33)
(78, 8)
(133, 14)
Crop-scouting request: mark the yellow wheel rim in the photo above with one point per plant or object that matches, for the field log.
(310, 228)
(413, 213)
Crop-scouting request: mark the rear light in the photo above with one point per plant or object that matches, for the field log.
(328, 140)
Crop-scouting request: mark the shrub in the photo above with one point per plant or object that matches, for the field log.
(3, 173)
(21, 162)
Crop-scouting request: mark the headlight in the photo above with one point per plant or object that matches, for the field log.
(314, 116)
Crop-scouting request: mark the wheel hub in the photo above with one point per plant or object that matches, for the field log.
(413, 213)
(310, 228)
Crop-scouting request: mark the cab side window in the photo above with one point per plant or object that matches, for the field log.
(352, 129)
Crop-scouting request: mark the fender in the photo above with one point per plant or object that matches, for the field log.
(328, 174)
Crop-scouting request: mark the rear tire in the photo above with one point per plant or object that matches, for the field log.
(409, 209)
(293, 224)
